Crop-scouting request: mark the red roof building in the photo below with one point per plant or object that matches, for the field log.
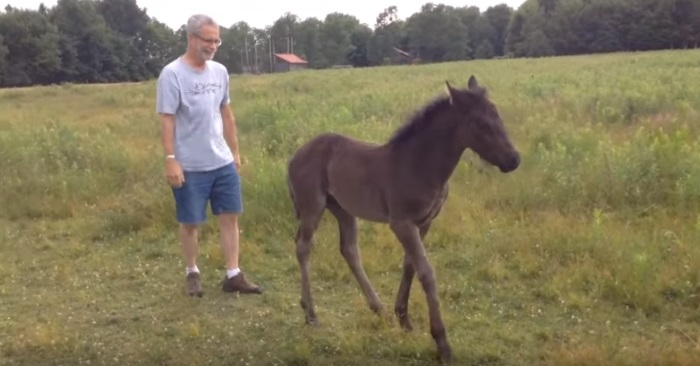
(289, 62)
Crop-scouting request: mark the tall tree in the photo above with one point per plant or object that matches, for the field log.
(33, 55)
(236, 39)
(514, 35)
(283, 33)
(116, 40)
(336, 38)
(309, 42)
(499, 18)
(387, 16)
(4, 51)
(94, 50)
(437, 34)
(159, 45)
(360, 38)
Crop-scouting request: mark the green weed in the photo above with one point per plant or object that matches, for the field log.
(586, 255)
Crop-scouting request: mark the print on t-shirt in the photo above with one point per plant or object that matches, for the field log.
(204, 88)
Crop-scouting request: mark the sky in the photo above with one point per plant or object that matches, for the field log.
(262, 13)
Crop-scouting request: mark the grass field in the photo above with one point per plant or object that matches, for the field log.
(589, 254)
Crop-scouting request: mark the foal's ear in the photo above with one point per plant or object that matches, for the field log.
(451, 92)
(473, 84)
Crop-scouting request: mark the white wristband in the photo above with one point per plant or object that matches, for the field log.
(170, 157)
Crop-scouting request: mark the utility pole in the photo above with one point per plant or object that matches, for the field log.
(247, 60)
(273, 49)
(269, 42)
(242, 63)
(289, 34)
(255, 57)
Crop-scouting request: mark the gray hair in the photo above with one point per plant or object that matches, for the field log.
(197, 21)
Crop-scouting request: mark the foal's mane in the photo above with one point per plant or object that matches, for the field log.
(420, 120)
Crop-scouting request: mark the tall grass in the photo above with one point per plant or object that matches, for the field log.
(586, 255)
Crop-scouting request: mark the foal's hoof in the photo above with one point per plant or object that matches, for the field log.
(446, 356)
(404, 320)
(377, 308)
(309, 314)
(406, 325)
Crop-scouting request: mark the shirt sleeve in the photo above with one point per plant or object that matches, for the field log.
(226, 99)
(168, 92)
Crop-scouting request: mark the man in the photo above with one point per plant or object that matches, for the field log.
(202, 159)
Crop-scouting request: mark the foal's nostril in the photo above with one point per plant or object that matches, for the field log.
(515, 161)
(512, 163)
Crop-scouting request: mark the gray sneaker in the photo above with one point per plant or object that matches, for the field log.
(239, 283)
(193, 284)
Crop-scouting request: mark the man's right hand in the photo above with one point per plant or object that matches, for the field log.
(174, 173)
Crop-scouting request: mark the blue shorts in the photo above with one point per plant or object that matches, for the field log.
(221, 188)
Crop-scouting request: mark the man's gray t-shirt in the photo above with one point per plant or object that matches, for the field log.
(195, 98)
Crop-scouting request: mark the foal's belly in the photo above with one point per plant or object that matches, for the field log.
(356, 184)
(362, 203)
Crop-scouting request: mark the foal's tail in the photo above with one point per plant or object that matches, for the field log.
(291, 196)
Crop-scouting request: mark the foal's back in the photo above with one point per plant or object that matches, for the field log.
(342, 169)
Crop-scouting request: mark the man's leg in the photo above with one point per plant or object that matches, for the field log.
(188, 240)
(228, 227)
(190, 204)
(227, 205)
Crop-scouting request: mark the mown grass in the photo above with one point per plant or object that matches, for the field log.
(587, 255)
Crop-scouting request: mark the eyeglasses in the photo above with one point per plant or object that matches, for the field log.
(217, 42)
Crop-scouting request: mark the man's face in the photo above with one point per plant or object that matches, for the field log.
(206, 41)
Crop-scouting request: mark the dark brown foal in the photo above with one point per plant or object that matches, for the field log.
(403, 182)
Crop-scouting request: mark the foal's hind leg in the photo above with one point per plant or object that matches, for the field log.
(347, 225)
(401, 306)
(308, 223)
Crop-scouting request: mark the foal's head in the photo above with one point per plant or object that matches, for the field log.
(480, 128)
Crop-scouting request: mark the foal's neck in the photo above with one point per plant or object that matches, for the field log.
(432, 154)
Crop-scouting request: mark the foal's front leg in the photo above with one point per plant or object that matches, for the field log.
(409, 236)
(402, 296)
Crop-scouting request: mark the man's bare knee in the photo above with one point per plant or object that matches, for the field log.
(228, 218)
(189, 229)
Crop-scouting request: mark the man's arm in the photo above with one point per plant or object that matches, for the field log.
(230, 130)
(167, 103)
(167, 122)
(173, 170)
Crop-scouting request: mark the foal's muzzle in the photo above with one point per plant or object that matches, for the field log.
(511, 163)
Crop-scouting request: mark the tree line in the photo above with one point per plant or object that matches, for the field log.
(101, 41)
